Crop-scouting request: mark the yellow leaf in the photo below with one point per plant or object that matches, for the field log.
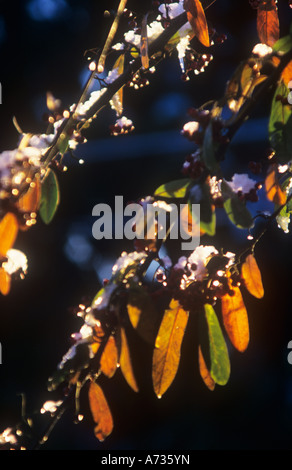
(197, 19)
(8, 233)
(126, 363)
(273, 189)
(109, 358)
(167, 350)
(100, 412)
(134, 315)
(5, 282)
(142, 313)
(204, 372)
(252, 277)
(117, 99)
(235, 319)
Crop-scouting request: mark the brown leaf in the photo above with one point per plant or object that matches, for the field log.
(8, 233)
(252, 277)
(204, 372)
(109, 358)
(273, 189)
(197, 19)
(5, 282)
(144, 44)
(100, 412)
(126, 363)
(30, 201)
(167, 350)
(235, 319)
(268, 22)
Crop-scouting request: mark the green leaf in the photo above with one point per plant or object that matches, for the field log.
(209, 150)
(220, 364)
(283, 44)
(238, 213)
(174, 189)
(50, 197)
(280, 124)
(200, 194)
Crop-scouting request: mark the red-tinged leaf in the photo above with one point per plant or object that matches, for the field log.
(252, 277)
(100, 412)
(5, 282)
(268, 22)
(274, 191)
(235, 319)
(204, 372)
(30, 201)
(126, 363)
(167, 350)
(8, 233)
(109, 358)
(144, 44)
(197, 19)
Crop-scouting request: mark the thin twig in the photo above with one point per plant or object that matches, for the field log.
(111, 35)
(154, 48)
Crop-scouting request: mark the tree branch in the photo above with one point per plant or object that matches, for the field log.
(155, 47)
(259, 93)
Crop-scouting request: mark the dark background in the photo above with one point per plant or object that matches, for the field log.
(41, 48)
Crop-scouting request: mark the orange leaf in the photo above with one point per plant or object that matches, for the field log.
(204, 372)
(8, 233)
(30, 201)
(189, 225)
(100, 412)
(144, 44)
(109, 358)
(167, 350)
(273, 189)
(235, 319)
(252, 277)
(197, 19)
(95, 347)
(268, 22)
(5, 282)
(117, 99)
(287, 73)
(126, 363)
